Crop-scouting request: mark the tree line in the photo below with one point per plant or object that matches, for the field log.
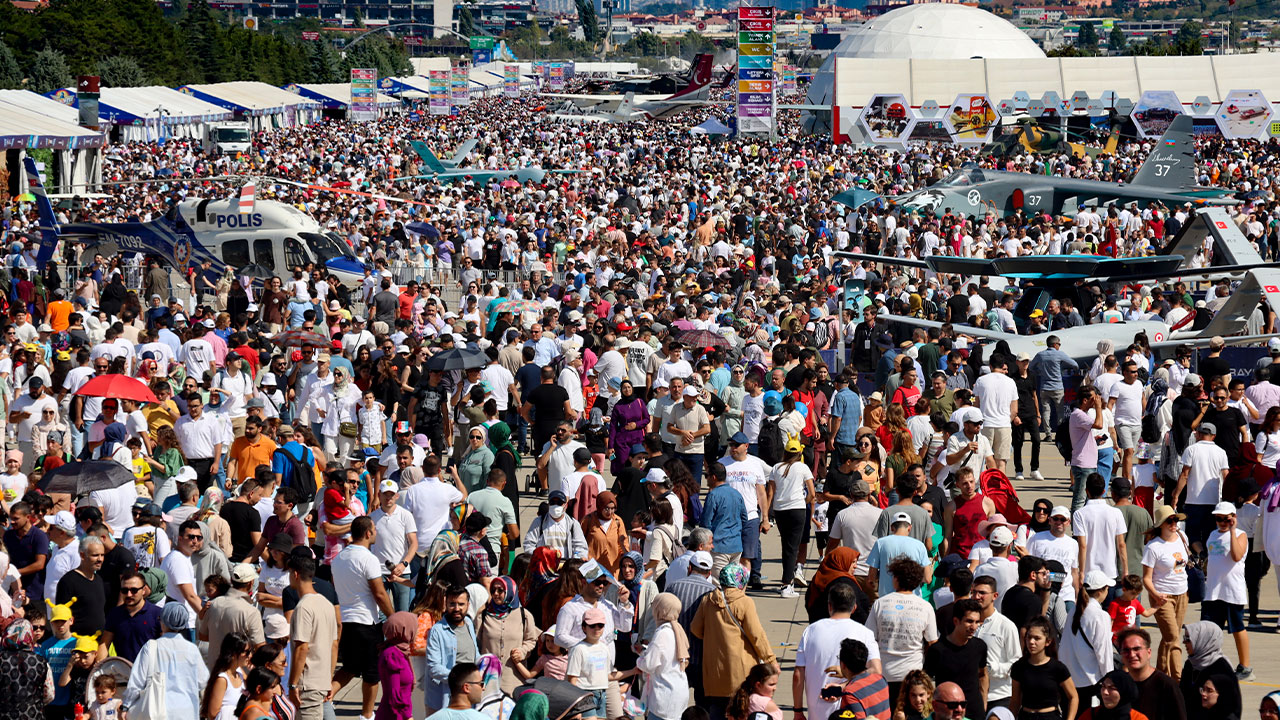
(131, 43)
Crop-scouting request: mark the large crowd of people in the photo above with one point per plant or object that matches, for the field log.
(526, 469)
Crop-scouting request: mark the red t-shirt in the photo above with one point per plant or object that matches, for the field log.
(1124, 614)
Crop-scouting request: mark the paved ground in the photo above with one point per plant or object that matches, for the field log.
(785, 619)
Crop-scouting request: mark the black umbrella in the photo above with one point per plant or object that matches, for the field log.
(83, 477)
(457, 359)
(564, 698)
(256, 271)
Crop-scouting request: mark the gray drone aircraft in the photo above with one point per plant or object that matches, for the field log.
(1167, 176)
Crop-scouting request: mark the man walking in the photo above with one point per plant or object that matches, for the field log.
(313, 630)
(357, 576)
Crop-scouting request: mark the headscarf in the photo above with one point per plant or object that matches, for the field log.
(1273, 696)
(626, 397)
(444, 549)
(633, 585)
(174, 617)
(340, 387)
(542, 570)
(666, 610)
(915, 304)
(399, 630)
(1229, 704)
(460, 512)
(531, 705)
(511, 601)
(499, 438)
(837, 564)
(1032, 523)
(733, 575)
(112, 435)
(1206, 643)
(999, 713)
(19, 636)
(1128, 690)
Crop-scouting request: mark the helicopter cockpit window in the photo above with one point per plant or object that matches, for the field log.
(235, 253)
(294, 254)
(264, 253)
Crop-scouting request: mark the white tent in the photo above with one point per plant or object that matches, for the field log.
(154, 112)
(264, 106)
(36, 103)
(337, 96)
(76, 149)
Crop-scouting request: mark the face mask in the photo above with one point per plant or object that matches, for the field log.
(556, 511)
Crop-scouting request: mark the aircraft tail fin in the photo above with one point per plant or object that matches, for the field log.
(1172, 162)
(699, 77)
(463, 151)
(428, 158)
(49, 228)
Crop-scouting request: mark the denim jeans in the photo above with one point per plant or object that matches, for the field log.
(695, 462)
(1106, 462)
(1078, 477)
(400, 593)
(751, 546)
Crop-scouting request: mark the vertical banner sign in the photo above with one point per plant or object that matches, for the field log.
(439, 86)
(557, 78)
(459, 82)
(481, 49)
(755, 70)
(540, 72)
(511, 80)
(87, 95)
(364, 94)
(570, 69)
(789, 78)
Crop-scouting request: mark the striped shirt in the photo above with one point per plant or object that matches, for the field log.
(867, 695)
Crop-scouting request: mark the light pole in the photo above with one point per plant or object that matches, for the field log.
(162, 113)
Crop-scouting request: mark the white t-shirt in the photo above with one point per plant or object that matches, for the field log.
(1099, 524)
(591, 665)
(1204, 481)
(745, 476)
(1064, 549)
(1168, 563)
(393, 530)
(429, 501)
(273, 581)
(499, 380)
(1144, 476)
(1128, 397)
(117, 507)
(180, 572)
(902, 623)
(789, 482)
(354, 567)
(13, 486)
(997, 392)
(197, 357)
(149, 545)
(573, 482)
(819, 649)
(34, 406)
(1224, 577)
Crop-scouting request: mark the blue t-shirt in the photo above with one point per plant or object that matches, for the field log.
(130, 632)
(23, 551)
(58, 653)
(298, 307)
(890, 548)
(847, 406)
(284, 467)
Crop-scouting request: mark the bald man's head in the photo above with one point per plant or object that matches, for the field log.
(948, 702)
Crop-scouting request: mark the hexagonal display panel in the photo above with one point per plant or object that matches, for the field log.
(1155, 110)
(929, 109)
(1202, 105)
(1079, 100)
(1244, 114)
(971, 118)
(887, 118)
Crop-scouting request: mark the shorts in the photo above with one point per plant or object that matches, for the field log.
(1127, 436)
(600, 710)
(1223, 613)
(358, 650)
(1001, 441)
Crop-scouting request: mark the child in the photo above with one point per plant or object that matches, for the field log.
(552, 660)
(639, 531)
(147, 540)
(105, 705)
(336, 512)
(372, 421)
(1124, 610)
(58, 650)
(75, 676)
(393, 667)
(215, 586)
(590, 662)
(141, 469)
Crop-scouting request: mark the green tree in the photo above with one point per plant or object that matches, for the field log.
(1187, 40)
(120, 71)
(49, 71)
(357, 20)
(324, 65)
(466, 23)
(1116, 43)
(10, 73)
(590, 23)
(202, 36)
(1088, 38)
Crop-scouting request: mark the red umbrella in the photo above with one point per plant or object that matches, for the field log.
(118, 386)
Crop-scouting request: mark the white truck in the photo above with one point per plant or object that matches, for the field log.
(228, 137)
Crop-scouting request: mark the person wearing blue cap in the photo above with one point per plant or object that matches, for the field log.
(724, 513)
(747, 474)
(173, 660)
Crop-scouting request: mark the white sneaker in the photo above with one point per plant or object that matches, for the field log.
(798, 581)
(789, 591)
(1035, 475)
(1019, 477)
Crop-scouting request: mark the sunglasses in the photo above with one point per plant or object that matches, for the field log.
(130, 591)
(596, 626)
(194, 537)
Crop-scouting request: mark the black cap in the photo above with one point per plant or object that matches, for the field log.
(557, 497)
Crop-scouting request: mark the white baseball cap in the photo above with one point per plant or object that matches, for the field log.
(63, 520)
(1224, 508)
(1096, 580)
(389, 486)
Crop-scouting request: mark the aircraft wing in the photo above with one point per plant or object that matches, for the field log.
(960, 329)
(1201, 340)
(887, 260)
(606, 103)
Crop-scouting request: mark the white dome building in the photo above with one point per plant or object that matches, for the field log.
(927, 31)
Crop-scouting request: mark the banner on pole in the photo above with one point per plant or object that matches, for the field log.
(439, 85)
(511, 80)
(364, 94)
(757, 79)
(460, 86)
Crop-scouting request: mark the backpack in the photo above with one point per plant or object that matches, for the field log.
(821, 334)
(299, 469)
(772, 441)
(1062, 438)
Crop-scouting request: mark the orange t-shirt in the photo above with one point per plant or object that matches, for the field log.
(249, 455)
(58, 313)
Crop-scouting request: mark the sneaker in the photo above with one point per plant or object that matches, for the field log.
(1243, 672)
(1019, 477)
(789, 591)
(799, 581)
(1035, 475)
(755, 585)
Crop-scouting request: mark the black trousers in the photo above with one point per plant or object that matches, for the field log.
(792, 525)
(204, 474)
(1020, 433)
